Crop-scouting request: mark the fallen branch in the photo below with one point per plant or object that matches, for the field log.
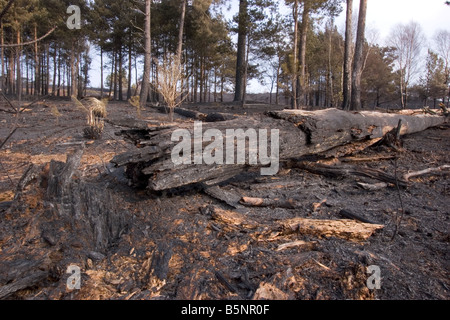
(409, 175)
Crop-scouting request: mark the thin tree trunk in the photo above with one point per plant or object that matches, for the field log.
(347, 81)
(111, 77)
(181, 31)
(130, 69)
(278, 81)
(3, 58)
(47, 82)
(101, 73)
(148, 55)
(19, 73)
(295, 66)
(244, 95)
(59, 73)
(115, 76)
(73, 72)
(55, 57)
(330, 72)
(120, 74)
(358, 59)
(242, 39)
(37, 66)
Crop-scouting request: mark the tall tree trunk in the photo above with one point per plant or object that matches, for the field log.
(19, 73)
(148, 55)
(295, 66)
(244, 94)
(47, 73)
(358, 58)
(111, 78)
(130, 68)
(181, 31)
(59, 73)
(120, 74)
(115, 75)
(11, 72)
(302, 56)
(37, 66)
(278, 81)
(330, 98)
(27, 89)
(242, 39)
(55, 65)
(73, 72)
(3, 58)
(347, 82)
(101, 73)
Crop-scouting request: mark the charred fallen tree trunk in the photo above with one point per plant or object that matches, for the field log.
(174, 156)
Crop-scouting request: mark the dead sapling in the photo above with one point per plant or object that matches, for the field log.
(96, 113)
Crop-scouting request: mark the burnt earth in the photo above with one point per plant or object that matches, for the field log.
(171, 247)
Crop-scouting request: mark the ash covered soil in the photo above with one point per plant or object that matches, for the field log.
(171, 247)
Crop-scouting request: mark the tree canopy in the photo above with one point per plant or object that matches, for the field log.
(296, 54)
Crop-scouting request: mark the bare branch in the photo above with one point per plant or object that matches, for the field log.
(30, 42)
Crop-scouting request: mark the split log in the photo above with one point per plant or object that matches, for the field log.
(300, 133)
(345, 229)
(344, 171)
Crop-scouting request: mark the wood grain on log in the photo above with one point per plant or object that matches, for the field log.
(345, 229)
(300, 133)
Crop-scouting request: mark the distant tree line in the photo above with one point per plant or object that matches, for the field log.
(302, 57)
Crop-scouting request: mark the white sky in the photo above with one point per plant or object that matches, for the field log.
(382, 16)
